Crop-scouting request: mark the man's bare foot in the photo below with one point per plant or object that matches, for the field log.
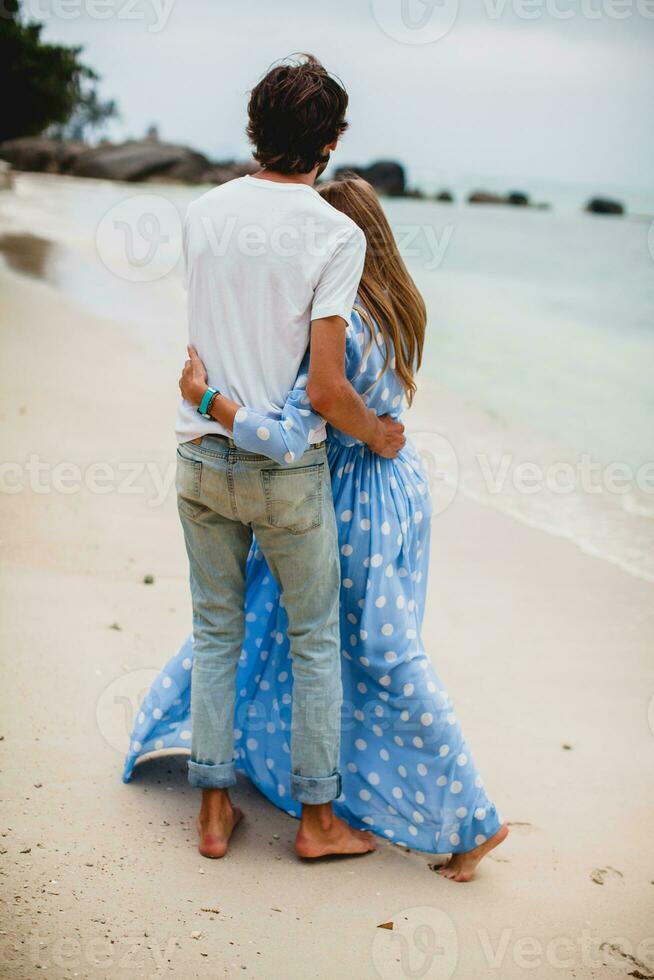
(322, 834)
(461, 867)
(216, 822)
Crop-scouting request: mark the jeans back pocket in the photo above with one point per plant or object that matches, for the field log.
(188, 477)
(294, 497)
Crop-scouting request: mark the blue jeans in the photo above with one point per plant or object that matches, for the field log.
(225, 495)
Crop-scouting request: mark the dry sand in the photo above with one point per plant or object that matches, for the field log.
(546, 651)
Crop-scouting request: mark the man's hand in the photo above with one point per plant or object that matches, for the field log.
(193, 382)
(389, 437)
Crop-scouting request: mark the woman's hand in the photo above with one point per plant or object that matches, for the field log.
(193, 382)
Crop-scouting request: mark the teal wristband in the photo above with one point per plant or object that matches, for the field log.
(203, 407)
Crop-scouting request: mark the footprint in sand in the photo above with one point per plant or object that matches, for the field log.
(599, 875)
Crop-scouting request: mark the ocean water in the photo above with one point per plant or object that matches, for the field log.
(540, 321)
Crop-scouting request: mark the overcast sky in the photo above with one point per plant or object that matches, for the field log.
(565, 95)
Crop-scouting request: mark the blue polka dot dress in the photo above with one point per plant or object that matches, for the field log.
(407, 771)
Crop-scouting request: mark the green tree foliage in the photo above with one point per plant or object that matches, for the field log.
(43, 85)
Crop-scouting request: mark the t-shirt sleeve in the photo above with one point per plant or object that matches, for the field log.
(339, 281)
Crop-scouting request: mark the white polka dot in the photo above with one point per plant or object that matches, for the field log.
(479, 839)
(402, 771)
(157, 713)
(407, 690)
(389, 571)
(347, 583)
(397, 792)
(390, 656)
(412, 830)
(159, 744)
(387, 629)
(480, 813)
(373, 778)
(479, 782)
(185, 735)
(462, 759)
(289, 457)
(385, 680)
(451, 718)
(410, 634)
(252, 744)
(364, 794)
(346, 516)
(386, 528)
(380, 601)
(166, 682)
(352, 767)
(241, 415)
(376, 560)
(347, 550)
(455, 839)
(417, 817)
(136, 746)
(363, 497)
(263, 433)
(384, 395)
(422, 769)
(456, 786)
(461, 812)
(383, 754)
(441, 781)
(420, 797)
(361, 744)
(418, 742)
(426, 719)
(270, 763)
(364, 524)
(377, 730)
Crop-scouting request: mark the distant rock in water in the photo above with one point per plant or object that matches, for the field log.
(514, 198)
(604, 205)
(386, 176)
(518, 199)
(140, 160)
(445, 196)
(40, 155)
(485, 197)
(135, 160)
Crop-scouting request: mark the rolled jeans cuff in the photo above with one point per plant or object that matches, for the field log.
(315, 789)
(206, 776)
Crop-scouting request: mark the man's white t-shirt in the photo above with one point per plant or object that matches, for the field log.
(263, 259)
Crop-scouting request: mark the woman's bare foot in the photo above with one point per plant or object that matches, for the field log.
(461, 867)
(322, 834)
(216, 822)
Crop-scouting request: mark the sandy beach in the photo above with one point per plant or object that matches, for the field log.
(547, 652)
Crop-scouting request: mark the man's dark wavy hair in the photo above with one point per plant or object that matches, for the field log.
(296, 109)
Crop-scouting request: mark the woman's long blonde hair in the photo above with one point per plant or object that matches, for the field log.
(389, 299)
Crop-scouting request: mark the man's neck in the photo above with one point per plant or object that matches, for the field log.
(279, 178)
